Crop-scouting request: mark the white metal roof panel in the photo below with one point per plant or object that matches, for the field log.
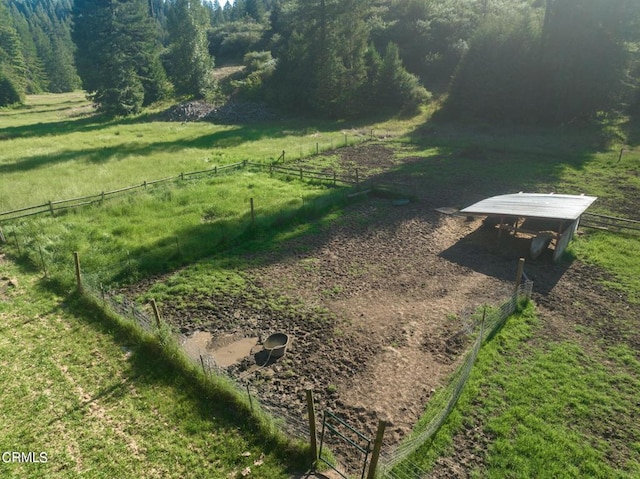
(533, 205)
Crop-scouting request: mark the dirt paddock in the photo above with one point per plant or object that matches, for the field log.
(378, 304)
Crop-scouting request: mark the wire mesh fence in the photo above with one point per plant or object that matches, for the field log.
(291, 421)
(396, 463)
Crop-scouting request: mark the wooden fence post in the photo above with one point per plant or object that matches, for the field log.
(44, 265)
(204, 371)
(377, 446)
(253, 214)
(519, 275)
(3, 238)
(51, 207)
(156, 312)
(357, 180)
(76, 260)
(312, 425)
(249, 396)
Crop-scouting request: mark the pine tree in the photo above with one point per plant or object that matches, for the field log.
(322, 66)
(13, 71)
(117, 54)
(187, 61)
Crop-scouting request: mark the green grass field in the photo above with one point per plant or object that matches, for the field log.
(56, 148)
(103, 404)
(101, 401)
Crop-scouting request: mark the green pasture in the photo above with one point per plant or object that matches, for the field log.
(56, 148)
(552, 409)
(166, 226)
(102, 401)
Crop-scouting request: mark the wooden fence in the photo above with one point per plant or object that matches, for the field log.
(353, 178)
(610, 223)
(51, 207)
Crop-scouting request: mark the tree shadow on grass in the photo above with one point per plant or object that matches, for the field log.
(212, 401)
(219, 139)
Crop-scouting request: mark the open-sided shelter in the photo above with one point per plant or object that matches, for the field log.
(547, 218)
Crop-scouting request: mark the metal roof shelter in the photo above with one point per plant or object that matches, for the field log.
(547, 217)
(533, 205)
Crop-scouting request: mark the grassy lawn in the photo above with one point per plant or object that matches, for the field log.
(59, 136)
(552, 409)
(167, 226)
(103, 402)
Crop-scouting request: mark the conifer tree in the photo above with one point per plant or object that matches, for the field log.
(117, 54)
(187, 61)
(13, 71)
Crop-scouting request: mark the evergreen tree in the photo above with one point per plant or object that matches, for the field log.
(187, 61)
(36, 81)
(217, 14)
(584, 56)
(396, 88)
(322, 65)
(254, 9)
(117, 54)
(13, 71)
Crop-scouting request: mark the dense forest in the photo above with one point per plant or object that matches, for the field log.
(526, 61)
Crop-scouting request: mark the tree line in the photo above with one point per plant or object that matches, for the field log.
(526, 61)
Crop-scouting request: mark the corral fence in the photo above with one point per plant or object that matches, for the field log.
(348, 438)
(351, 451)
(53, 207)
(396, 463)
(610, 223)
(297, 421)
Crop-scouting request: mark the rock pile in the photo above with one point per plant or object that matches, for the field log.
(241, 112)
(189, 111)
(229, 113)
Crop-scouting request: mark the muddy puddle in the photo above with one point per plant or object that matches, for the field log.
(225, 351)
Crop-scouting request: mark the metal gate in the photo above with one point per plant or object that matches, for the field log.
(348, 442)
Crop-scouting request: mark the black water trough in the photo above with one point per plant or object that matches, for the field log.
(276, 344)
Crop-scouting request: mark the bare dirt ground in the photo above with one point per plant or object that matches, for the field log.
(377, 305)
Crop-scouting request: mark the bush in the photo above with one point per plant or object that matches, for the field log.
(259, 66)
(10, 92)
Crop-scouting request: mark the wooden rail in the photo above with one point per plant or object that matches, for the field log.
(610, 223)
